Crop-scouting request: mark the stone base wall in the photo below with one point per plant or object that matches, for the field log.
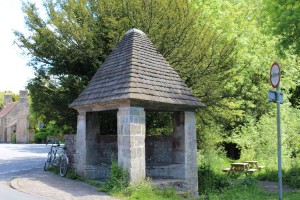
(106, 151)
(159, 150)
(171, 171)
(70, 144)
(97, 171)
(159, 154)
(164, 157)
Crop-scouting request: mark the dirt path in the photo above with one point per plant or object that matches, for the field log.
(271, 187)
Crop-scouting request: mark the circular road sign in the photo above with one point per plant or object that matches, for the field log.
(275, 75)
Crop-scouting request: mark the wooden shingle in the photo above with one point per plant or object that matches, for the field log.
(135, 71)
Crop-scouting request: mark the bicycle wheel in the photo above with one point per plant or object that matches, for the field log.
(63, 166)
(46, 165)
(48, 162)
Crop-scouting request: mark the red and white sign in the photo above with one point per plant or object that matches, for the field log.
(275, 75)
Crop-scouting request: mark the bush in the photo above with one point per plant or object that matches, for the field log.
(210, 182)
(268, 175)
(51, 130)
(14, 138)
(292, 177)
(41, 136)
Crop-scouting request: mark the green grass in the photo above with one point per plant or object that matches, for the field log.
(237, 188)
(145, 190)
(213, 184)
(252, 193)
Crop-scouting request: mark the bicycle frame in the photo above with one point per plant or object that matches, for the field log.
(57, 157)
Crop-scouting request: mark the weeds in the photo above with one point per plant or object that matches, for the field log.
(118, 180)
(145, 190)
(118, 185)
(292, 177)
(209, 181)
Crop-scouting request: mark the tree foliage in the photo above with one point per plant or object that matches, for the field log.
(282, 18)
(74, 38)
(242, 92)
(257, 139)
(217, 46)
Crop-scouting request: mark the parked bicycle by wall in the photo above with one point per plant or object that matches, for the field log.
(57, 158)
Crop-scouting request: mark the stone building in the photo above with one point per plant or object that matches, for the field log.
(14, 119)
(136, 79)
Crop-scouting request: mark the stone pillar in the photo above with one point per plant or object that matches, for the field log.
(178, 138)
(92, 130)
(191, 172)
(80, 157)
(131, 141)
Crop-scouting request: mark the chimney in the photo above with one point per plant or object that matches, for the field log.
(7, 99)
(23, 94)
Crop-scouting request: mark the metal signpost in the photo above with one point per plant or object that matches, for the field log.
(275, 80)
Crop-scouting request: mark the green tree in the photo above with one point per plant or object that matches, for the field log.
(241, 92)
(257, 138)
(282, 18)
(74, 38)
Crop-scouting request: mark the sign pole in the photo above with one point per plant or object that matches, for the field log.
(279, 143)
(275, 82)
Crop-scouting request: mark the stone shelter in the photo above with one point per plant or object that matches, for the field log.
(14, 119)
(136, 79)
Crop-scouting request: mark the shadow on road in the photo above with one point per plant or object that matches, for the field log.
(48, 184)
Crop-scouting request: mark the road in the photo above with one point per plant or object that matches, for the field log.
(17, 159)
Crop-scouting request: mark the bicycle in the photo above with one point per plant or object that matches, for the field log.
(57, 157)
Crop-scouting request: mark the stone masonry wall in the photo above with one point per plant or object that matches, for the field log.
(159, 150)
(106, 149)
(159, 162)
(70, 144)
(17, 118)
(161, 158)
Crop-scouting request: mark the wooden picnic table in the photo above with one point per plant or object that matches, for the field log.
(252, 164)
(246, 167)
(239, 167)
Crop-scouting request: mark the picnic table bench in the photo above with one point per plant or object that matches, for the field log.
(254, 164)
(246, 167)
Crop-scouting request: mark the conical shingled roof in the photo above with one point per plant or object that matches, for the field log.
(137, 72)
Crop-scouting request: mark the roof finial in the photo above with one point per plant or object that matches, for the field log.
(136, 31)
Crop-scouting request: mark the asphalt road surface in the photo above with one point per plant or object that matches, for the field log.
(16, 159)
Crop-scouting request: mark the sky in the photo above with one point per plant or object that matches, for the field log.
(14, 71)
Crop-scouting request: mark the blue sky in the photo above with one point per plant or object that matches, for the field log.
(14, 73)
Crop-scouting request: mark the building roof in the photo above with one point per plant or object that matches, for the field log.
(7, 108)
(136, 71)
